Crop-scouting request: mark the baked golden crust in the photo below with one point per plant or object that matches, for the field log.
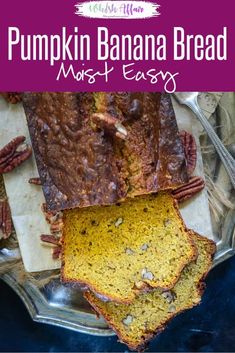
(99, 148)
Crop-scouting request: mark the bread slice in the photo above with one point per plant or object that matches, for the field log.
(120, 250)
(136, 323)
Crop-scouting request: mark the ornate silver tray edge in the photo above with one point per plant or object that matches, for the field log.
(40, 311)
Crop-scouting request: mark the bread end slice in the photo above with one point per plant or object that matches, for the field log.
(136, 323)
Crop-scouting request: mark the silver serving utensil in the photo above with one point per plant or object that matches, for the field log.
(190, 99)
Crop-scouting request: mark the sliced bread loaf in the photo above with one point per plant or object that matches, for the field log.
(97, 148)
(120, 250)
(136, 323)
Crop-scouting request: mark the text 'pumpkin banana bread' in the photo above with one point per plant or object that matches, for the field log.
(98, 148)
(122, 249)
(136, 323)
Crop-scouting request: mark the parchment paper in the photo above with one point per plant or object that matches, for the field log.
(26, 199)
(196, 213)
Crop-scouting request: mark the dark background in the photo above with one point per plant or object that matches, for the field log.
(206, 328)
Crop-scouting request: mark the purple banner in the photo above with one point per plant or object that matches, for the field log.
(66, 45)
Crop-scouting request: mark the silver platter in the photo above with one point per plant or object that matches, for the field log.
(48, 301)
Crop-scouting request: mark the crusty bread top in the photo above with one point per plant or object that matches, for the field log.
(136, 323)
(83, 164)
(120, 250)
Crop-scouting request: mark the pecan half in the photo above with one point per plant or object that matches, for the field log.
(11, 97)
(52, 217)
(52, 239)
(56, 253)
(5, 219)
(110, 124)
(55, 220)
(13, 154)
(35, 181)
(190, 150)
(189, 189)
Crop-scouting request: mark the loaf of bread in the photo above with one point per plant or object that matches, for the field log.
(99, 148)
(136, 323)
(120, 250)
